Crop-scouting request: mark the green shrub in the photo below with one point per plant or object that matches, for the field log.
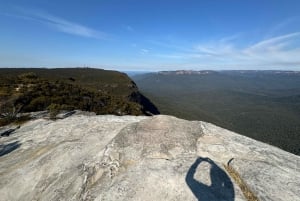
(53, 110)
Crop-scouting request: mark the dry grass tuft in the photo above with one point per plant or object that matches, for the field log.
(249, 195)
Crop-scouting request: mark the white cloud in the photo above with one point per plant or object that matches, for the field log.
(128, 28)
(276, 52)
(60, 24)
(278, 41)
(286, 24)
(144, 51)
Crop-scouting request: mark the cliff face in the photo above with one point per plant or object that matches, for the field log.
(94, 90)
(140, 158)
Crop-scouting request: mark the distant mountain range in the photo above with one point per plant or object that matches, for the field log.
(264, 105)
(247, 72)
(186, 72)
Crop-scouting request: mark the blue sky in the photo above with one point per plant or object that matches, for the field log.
(151, 35)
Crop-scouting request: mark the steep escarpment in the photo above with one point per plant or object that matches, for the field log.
(94, 90)
(140, 158)
(264, 105)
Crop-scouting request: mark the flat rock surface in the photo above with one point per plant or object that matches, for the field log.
(139, 158)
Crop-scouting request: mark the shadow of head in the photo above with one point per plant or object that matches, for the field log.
(221, 187)
(7, 148)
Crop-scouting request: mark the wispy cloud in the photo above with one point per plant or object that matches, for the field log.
(283, 25)
(275, 52)
(59, 24)
(144, 51)
(279, 41)
(128, 27)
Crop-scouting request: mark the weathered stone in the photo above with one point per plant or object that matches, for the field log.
(8, 130)
(139, 158)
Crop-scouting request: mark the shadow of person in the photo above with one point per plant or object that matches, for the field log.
(221, 187)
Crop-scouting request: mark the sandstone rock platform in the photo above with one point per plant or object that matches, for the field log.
(140, 158)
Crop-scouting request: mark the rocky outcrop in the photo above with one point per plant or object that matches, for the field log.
(140, 158)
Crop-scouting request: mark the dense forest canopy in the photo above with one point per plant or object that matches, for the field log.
(264, 105)
(99, 91)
